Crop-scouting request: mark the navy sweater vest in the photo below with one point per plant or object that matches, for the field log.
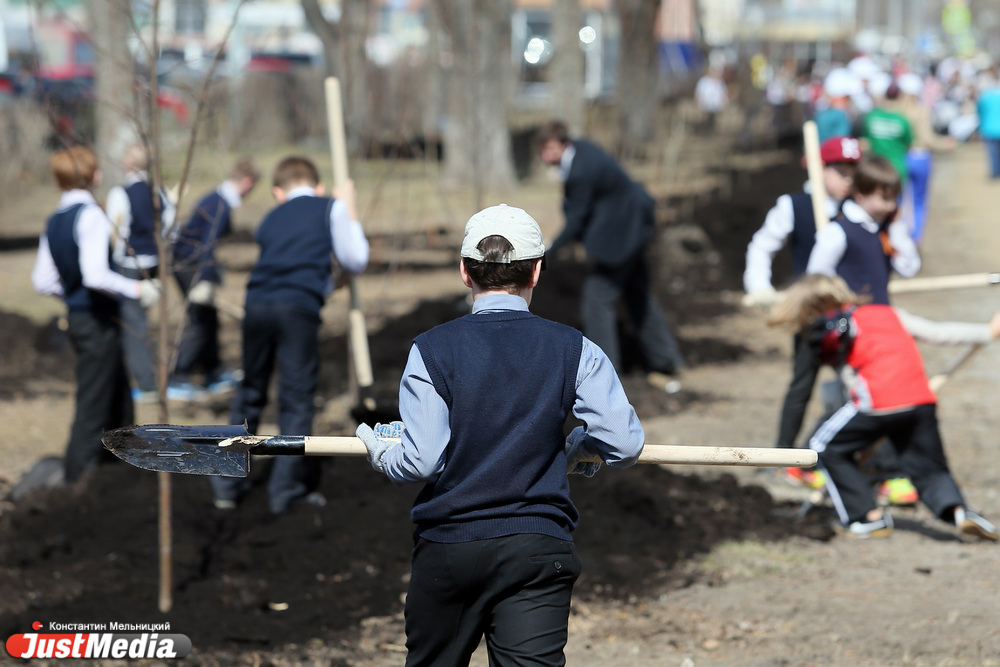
(509, 380)
(65, 252)
(864, 267)
(196, 243)
(803, 231)
(141, 237)
(296, 262)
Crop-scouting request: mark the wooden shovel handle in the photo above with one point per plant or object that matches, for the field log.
(669, 454)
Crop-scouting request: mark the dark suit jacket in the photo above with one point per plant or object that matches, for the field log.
(605, 209)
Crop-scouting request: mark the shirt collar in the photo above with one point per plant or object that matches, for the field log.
(301, 191)
(230, 193)
(566, 161)
(498, 302)
(74, 197)
(854, 213)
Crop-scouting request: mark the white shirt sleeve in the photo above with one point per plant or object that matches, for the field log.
(119, 211)
(350, 246)
(45, 275)
(831, 244)
(944, 333)
(93, 234)
(906, 260)
(766, 242)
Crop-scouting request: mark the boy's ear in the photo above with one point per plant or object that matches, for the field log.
(466, 278)
(279, 195)
(536, 272)
(320, 190)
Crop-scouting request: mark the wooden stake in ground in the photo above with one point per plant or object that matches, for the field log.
(360, 353)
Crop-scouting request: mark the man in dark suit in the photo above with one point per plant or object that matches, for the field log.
(613, 216)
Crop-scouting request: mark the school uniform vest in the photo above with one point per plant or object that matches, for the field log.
(803, 231)
(864, 267)
(197, 240)
(509, 380)
(296, 262)
(889, 371)
(60, 234)
(141, 238)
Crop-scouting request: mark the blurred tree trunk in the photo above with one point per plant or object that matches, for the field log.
(638, 72)
(344, 57)
(476, 136)
(567, 67)
(116, 110)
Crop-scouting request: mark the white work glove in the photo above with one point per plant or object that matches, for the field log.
(149, 292)
(575, 451)
(202, 294)
(378, 441)
(764, 297)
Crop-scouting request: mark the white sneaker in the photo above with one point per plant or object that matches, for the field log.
(878, 528)
(971, 523)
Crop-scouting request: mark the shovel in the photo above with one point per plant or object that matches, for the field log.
(226, 450)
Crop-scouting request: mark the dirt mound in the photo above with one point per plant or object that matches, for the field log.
(31, 353)
(90, 551)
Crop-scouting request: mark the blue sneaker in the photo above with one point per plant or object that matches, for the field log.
(185, 391)
(146, 396)
(223, 382)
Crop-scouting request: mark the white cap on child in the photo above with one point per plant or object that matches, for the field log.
(510, 222)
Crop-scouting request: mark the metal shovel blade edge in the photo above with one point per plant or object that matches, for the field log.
(191, 450)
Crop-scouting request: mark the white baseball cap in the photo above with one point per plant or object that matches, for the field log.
(510, 222)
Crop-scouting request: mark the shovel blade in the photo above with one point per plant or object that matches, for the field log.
(192, 450)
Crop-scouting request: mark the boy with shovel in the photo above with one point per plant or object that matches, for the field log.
(299, 241)
(485, 399)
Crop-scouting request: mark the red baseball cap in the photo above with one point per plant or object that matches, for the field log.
(840, 149)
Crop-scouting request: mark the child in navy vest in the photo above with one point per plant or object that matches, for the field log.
(872, 345)
(73, 263)
(130, 207)
(198, 274)
(484, 399)
(299, 241)
(792, 218)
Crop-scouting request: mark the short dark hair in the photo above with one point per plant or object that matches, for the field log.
(492, 273)
(553, 129)
(245, 168)
(875, 172)
(295, 170)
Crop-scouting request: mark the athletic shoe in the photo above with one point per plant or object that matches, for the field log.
(145, 395)
(224, 504)
(971, 523)
(185, 391)
(878, 528)
(899, 491)
(663, 381)
(222, 382)
(813, 479)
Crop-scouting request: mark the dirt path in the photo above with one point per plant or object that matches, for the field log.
(692, 567)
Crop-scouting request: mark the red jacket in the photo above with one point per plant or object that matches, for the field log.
(889, 370)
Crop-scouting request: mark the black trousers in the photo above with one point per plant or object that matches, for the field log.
(103, 395)
(285, 335)
(199, 347)
(513, 590)
(603, 288)
(915, 437)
